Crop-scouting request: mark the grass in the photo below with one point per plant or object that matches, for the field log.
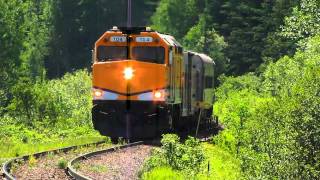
(163, 173)
(77, 165)
(10, 150)
(3, 160)
(98, 168)
(62, 164)
(222, 165)
(32, 161)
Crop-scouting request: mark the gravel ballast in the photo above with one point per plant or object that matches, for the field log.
(51, 166)
(122, 164)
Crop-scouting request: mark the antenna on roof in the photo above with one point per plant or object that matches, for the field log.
(129, 14)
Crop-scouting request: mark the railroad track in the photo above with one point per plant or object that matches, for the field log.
(109, 157)
(119, 159)
(73, 170)
(7, 166)
(116, 159)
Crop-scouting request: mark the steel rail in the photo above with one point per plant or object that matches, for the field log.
(6, 168)
(78, 176)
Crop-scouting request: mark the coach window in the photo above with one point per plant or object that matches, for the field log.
(112, 53)
(149, 54)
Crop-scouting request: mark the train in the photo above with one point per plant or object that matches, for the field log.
(144, 84)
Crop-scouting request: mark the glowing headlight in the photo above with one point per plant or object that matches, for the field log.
(157, 94)
(128, 73)
(97, 93)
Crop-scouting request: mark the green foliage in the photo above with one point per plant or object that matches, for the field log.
(46, 112)
(249, 28)
(304, 21)
(156, 160)
(273, 129)
(75, 33)
(32, 161)
(190, 23)
(217, 164)
(62, 164)
(186, 157)
(275, 45)
(162, 173)
(14, 147)
(271, 119)
(182, 156)
(248, 82)
(200, 39)
(176, 16)
(222, 165)
(24, 36)
(98, 168)
(62, 103)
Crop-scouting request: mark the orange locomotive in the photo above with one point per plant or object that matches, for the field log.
(145, 85)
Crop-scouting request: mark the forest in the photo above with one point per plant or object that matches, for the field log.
(267, 56)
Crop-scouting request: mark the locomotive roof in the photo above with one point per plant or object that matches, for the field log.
(204, 57)
(137, 30)
(132, 30)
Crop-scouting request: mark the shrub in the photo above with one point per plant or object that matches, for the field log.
(46, 111)
(274, 129)
(62, 103)
(186, 157)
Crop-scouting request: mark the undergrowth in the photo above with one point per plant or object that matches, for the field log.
(46, 115)
(189, 160)
(16, 148)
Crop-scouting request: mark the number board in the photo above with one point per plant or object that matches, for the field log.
(144, 39)
(118, 39)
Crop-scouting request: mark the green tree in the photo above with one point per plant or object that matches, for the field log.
(78, 24)
(304, 21)
(275, 45)
(201, 39)
(271, 121)
(250, 30)
(177, 16)
(24, 33)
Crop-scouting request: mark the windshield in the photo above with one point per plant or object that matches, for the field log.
(112, 53)
(149, 54)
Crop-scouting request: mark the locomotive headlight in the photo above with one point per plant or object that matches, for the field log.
(97, 93)
(128, 73)
(157, 94)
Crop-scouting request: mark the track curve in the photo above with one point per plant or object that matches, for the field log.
(79, 176)
(6, 168)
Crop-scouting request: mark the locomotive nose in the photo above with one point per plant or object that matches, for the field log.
(128, 73)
